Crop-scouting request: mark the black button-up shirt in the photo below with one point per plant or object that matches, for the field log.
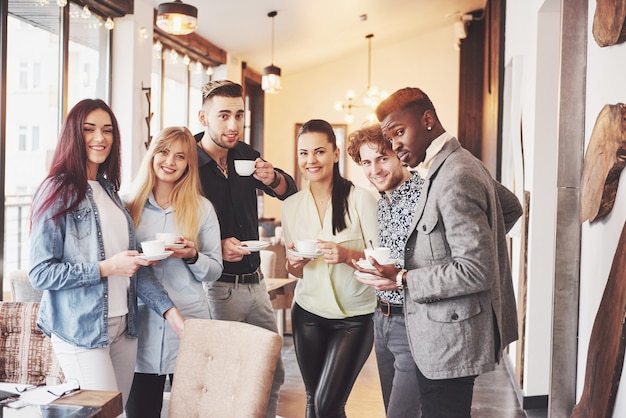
(235, 200)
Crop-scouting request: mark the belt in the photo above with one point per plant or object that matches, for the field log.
(388, 309)
(246, 278)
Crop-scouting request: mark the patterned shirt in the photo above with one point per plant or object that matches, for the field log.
(394, 220)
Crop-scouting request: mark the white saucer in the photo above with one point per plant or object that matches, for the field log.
(306, 255)
(366, 265)
(174, 245)
(364, 275)
(253, 245)
(156, 257)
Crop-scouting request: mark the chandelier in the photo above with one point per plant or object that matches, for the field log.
(369, 99)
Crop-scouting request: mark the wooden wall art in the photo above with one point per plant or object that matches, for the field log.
(604, 160)
(605, 357)
(609, 22)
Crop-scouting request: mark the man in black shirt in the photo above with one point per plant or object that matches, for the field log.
(239, 294)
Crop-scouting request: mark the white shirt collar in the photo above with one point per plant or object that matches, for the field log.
(431, 152)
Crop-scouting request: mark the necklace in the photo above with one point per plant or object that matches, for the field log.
(223, 169)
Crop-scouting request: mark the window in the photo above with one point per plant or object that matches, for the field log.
(35, 138)
(23, 75)
(22, 138)
(88, 64)
(33, 98)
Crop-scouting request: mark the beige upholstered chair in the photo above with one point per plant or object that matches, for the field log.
(224, 369)
(26, 354)
(21, 289)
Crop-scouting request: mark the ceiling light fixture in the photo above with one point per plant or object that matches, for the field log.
(372, 95)
(177, 18)
(270, 83)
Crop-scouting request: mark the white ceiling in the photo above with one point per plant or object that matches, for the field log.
(312, 32)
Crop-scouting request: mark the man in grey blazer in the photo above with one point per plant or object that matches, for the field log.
(459, 302)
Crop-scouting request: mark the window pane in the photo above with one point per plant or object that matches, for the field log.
(88, 64)
(32, 107)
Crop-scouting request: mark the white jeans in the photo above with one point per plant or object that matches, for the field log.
(109, 368)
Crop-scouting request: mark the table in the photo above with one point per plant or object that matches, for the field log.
(281, 295)
(109, 403)
(80, 404)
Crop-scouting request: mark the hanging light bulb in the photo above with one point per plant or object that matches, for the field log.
(186, 60)
(209, 71)
(270, 83)
(198, 67)
(61, 3)
(109, 24)
(173, 57)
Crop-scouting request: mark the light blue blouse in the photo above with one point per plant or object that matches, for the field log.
(158, 344)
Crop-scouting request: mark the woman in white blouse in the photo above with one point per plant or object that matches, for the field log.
(332, 313)
(166, 197)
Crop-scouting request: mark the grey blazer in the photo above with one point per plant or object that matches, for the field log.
(459, 302)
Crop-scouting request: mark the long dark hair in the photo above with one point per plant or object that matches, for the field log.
(69, 163)
(341, 186)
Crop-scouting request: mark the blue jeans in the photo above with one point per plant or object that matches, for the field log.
(396, 367)
(248, 303)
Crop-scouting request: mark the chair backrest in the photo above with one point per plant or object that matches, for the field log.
(26, 354)
(21, 289)
(223, 369)
(268, 263)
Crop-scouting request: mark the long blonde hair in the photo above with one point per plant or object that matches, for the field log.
(185, 197)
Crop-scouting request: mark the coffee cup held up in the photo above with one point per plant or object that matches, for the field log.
(167, 237)
(306, 246)
(380, 254)
(245, 167)
(153, 247)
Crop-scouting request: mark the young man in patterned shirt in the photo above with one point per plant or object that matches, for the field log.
(399, 191)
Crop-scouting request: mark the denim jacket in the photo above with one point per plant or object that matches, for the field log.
(64, 258)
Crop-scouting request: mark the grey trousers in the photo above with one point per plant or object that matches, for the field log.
(248, 303)
(396, 367)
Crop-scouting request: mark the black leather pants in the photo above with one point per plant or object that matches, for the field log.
(330, 353)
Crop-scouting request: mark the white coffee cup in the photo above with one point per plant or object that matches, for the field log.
(380, 254)
(244, 167)
(153, 247)
(306, 246)
(167, 237)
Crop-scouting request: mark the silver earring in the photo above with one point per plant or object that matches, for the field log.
(429, 128)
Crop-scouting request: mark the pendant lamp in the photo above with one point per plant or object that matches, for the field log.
(177, 18)
(270, 83)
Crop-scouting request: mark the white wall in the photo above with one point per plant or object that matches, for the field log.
(429, 62)
(530, 37)
(532, 41)
(132, 66)
(604, 85)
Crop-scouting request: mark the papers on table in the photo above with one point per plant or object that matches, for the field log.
(36, 395)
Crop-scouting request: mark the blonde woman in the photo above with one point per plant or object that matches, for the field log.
(166, 197)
